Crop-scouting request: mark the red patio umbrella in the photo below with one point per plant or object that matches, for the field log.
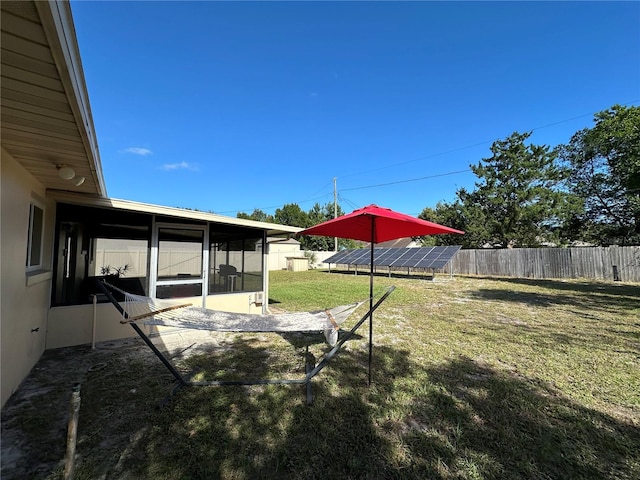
(376, 224)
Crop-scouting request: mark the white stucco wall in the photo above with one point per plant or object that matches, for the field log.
(24, 299)
(74, 325)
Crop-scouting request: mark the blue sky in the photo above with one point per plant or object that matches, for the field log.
(232, 106)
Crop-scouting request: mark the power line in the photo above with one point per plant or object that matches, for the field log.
(407, 181)
(424, 157)
(348, 202)
(276, 206)
(455, 150)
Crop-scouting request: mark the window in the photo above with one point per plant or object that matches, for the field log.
(94, 242)
(180, 257)
(119, 257)
(235, 260)
(179, 253)
(35, 240)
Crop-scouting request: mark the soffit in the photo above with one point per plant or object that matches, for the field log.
(45, 115)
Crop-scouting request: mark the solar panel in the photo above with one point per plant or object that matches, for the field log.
(394, 255)
(412, 257)
(386, 255)
(427, 260)
(350, 257)
(423, 257)
(337, 258)
(363, 257)
(439, 257)
(347, 256)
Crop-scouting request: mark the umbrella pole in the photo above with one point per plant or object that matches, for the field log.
(373, 229)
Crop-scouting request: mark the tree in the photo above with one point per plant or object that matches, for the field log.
(319, 214)
(461, 215)
(257, 215)
(605, 174)
(518, 200)
(291, 214)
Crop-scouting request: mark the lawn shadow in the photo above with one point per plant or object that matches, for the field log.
(588, 302)
(464, 419)
(596, 297)
(578, 286)
(416, 275)
(479, 422)
(307, 339)
(528, 429)
(267, 431)
(243, 356)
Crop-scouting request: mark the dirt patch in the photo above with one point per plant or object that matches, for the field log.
(123, 387)
(34, 420)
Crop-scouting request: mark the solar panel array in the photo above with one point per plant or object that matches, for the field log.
(424, 257)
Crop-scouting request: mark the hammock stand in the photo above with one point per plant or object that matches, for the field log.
(311, 370)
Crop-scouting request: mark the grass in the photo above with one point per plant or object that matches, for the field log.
(473, 378)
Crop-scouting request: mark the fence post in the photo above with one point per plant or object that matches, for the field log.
(616, 277)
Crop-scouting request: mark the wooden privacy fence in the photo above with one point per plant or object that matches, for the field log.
(600, 263)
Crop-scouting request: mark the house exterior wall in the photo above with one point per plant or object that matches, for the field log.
(24, 299)
(243, 302)
(74, 325)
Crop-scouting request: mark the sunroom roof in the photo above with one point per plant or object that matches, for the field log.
(178, 213)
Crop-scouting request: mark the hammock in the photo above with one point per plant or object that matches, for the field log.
(170, 313)
(136, 307)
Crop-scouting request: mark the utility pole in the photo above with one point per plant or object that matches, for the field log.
(335, 211)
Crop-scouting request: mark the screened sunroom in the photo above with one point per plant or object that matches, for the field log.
(210, 260)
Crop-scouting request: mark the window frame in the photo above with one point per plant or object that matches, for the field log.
(221, 239)
(34, 267)
(166, 284)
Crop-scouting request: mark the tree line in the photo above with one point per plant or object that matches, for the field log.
(291, 214)
(584, 192)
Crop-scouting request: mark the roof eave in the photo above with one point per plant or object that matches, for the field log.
(57, 23)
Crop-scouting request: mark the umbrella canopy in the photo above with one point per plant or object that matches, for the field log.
(376, 224)
(387, 225)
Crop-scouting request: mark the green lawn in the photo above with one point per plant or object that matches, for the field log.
(473, 378)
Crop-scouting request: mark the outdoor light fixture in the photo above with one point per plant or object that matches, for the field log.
(65, 172)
